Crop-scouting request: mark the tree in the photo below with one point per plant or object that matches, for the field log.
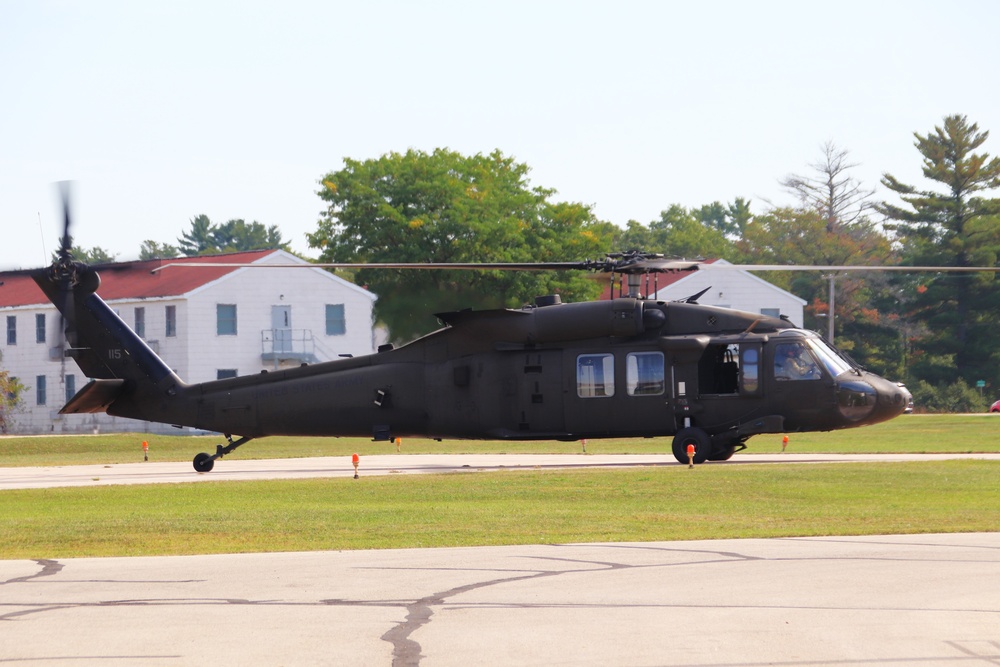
(447, 207)
(729, 219)
(236, 235)
(682, 232)
(11, 391)
(199, 240)
(153, 250)
(837, 196)
(95, 255)
(956, 227)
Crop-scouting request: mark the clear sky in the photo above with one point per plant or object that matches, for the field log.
(161, 111)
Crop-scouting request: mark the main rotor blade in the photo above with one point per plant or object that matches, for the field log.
(65, 241)
(439, 266)
(849, 267)
(640, 266)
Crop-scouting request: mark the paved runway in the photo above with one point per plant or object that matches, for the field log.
(395, 464)
(905, 600)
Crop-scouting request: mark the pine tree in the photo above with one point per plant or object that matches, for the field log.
(956, 227)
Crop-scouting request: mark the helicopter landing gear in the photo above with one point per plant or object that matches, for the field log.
(692, 436)
(205, 462)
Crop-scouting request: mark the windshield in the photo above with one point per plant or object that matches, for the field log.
(833, 362)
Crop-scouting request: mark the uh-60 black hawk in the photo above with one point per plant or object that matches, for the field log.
(710, 377)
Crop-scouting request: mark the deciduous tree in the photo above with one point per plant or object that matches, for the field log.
(447, 207)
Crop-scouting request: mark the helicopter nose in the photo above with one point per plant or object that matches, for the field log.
(871, 399)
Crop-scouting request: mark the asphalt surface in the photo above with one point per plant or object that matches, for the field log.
(882, 600)
(395, 464)
(902, 600)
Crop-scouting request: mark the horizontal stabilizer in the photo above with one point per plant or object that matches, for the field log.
(95, 397)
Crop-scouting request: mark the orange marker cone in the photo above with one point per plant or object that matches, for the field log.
(690, 456)
(355, 459)
(145, 450)
(784, 443)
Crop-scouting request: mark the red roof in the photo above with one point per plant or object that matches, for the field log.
(133, 280)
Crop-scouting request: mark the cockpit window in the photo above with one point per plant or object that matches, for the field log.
(793, 361)
(834, 363)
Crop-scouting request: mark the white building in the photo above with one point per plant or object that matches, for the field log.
(731, 288)
(205, 323)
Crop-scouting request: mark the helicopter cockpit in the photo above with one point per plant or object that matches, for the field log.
(801, 356)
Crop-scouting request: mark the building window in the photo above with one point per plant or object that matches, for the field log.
(644, 374)
(225, 317)
(12, 329)
(171, 315)
(595, 375)
(223, 373)
(40, 328)
(771, 312)
(335, 323)
(140, 322)
(40, 390)
(70, 387)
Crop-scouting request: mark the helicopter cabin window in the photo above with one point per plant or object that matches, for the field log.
(729, 369)
(225, 319)
(792, 361)
(644, 374)
(595, 375)
(719, 370)
(750, 379)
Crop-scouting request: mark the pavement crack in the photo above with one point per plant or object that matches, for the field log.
(406, 652)
(49, 568)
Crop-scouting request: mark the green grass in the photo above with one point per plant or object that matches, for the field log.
(497, 508)
(910, 433)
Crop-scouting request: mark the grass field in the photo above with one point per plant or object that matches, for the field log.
(511, 507)
(910, 433)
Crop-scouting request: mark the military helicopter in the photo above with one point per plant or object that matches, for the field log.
(711, 377)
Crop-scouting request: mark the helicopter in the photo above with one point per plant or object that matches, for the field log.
(710, 377)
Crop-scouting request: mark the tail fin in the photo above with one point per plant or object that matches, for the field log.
(102, 345)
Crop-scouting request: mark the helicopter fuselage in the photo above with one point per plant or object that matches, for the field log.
(712, 377)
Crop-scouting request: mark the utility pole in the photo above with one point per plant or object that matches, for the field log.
(830, 314)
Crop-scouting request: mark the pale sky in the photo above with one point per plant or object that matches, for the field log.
(161, 111)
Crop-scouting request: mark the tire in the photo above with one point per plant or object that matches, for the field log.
(204, 462)
(692, 436)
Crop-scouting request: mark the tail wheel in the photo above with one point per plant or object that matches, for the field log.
(204, 462)
(692, 436)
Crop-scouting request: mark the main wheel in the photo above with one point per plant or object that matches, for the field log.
(692, 436)
(204, 462)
